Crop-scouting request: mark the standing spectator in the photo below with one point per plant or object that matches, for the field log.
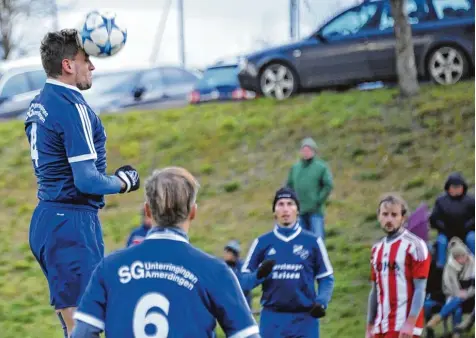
(231, 256)
(138, 234)
(453, 216)
(458, 284)
(312, 181)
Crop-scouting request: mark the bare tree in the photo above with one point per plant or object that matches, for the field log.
(405, 55)
(15, 24)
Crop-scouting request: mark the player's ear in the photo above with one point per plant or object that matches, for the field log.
(147, 210)
(67, 66)
(193, 212)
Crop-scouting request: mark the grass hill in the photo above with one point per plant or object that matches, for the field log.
(241, 154)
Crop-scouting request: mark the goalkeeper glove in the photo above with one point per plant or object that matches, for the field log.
(130, 177)
(265, 268)
(318, 311)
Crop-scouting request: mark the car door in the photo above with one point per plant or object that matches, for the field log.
(178, 83)
(381, 43)
(338, 54)
(12, 95)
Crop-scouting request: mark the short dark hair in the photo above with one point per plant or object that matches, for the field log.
(393, 198)
(57, 46)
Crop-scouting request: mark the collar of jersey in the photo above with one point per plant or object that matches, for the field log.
(391, 240)
(174, 234)
(59, 83)
(287, 234)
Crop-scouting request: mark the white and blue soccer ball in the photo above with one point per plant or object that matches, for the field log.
(102, 35)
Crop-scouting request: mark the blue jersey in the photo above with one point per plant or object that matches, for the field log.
(164, 287)
(62, 129)
(300, 257)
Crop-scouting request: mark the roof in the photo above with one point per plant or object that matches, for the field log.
(25, 63)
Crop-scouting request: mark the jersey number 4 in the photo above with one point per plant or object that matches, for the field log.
(33, 149)
(144, 318)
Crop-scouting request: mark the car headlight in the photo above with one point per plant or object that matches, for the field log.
(246, 66)
(242, 64)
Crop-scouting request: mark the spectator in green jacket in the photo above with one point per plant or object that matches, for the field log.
(312, 181)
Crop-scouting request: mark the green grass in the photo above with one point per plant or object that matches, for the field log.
(241, 154)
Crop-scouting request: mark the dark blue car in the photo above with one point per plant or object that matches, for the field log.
(358, 45)
(219, 83)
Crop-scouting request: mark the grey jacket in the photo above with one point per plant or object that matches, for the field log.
(458, 277)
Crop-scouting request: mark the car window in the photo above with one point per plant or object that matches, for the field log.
(351, 22)
(451, 9)
(417, 11)
(113, 83)
(17, 84)
(173, 76)
(37, 79)
(152, 80)
(223, 76)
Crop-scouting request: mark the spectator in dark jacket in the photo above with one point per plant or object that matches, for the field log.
(138, 234)
(453, 216)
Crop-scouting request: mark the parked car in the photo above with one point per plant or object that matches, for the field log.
(20, 81)
(358, 45)
(140, 88)
(219, 83)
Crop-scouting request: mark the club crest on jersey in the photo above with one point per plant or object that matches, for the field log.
(300, 251)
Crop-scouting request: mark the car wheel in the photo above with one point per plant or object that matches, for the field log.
(278, 81)
(447, 65)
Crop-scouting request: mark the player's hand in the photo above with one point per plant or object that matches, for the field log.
(265, 268)
(407, 329)
(130, 177)
(318, 311)
(463, 294)
(370, 331)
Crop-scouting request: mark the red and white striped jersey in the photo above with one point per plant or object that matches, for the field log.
(395, 264)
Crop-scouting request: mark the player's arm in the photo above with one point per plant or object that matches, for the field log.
(324, 276)
(373, 300)
(327, 184)
(230, 306)
(77, 134)
(420, 267)
(372, 308)
(84, 330)
(92, 308)
(254, 271)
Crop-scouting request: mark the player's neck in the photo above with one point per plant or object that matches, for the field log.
(394, 235)
(66, 80)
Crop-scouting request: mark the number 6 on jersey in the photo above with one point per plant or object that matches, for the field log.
(142, 317)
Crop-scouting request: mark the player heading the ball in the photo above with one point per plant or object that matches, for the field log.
(68, 153)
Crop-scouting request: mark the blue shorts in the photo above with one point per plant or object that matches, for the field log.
(67, 242)
(288, 325)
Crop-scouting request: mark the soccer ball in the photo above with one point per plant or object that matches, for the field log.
(101, 35)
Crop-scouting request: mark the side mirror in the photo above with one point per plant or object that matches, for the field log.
(138, 92)
(320, 37)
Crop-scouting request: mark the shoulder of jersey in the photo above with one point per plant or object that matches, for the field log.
(307, 233)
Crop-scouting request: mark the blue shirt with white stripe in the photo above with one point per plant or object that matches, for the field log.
(301, 258)
(165, 287)
(62, 130)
